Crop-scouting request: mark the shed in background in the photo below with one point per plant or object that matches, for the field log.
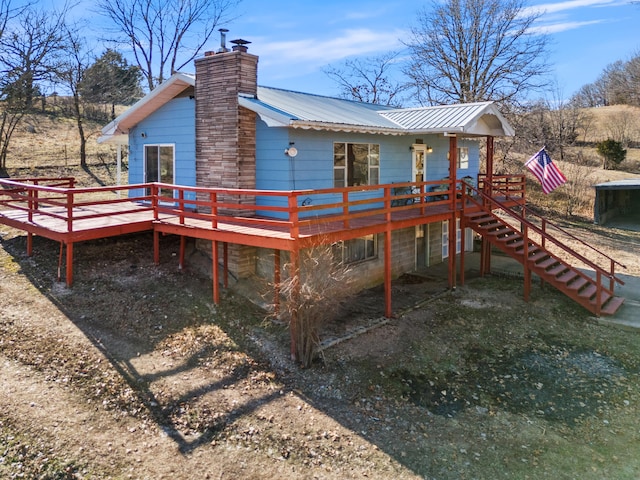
(618, 204)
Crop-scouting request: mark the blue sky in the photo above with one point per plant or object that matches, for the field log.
(296, 39)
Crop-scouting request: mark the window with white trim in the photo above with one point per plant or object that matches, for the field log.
(463, 158)
(357, 249)
(445, 239)
(356, 164)
(159, 162)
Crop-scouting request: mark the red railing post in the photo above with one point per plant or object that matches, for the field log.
(69, 212)
(294, 229)
(345, 208)
(30, 203)
(387, 203)
(612, 271)
(181, 205)
(213, 199)
(154, 200)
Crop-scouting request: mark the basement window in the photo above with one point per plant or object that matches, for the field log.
(356, 164)
(356, 250)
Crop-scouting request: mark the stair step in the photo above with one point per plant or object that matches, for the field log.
(489, 225)
(483, 219)
(577, 284)
(567, 276)
(479, 213)
(509, 235)
(589, 291)
(546, 263)
(538, 255)
(557, 270)
(612, 306)
(500, 230)
(517, 245)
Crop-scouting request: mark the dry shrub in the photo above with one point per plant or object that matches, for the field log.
(311, 296)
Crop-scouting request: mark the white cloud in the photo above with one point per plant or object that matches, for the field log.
(315, 52)
(572, 5)
(562, 26)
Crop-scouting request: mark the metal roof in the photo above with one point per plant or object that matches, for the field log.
(286, 108)
(303, 110)
(626, 184)
(481, 118)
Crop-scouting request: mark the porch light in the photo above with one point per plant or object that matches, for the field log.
(291, 151)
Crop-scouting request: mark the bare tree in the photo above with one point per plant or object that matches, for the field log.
(620, 126)
(369, 79)
(476, 50)
(162, 33)
(312, 295)
(31, 48)
(70, 73)
(5, 14)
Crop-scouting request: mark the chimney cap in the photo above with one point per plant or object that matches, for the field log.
(240, 45)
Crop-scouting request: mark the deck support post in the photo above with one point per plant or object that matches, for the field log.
(276, 282)
(69, 272)
(215, 272)
(485, 252)
(453, 175)
(29, 244)
(485, 257)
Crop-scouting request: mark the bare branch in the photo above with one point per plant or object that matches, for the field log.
(165, 35)
(475, 50)
(368, 79)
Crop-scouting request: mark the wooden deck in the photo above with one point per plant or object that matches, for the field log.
(278, 220)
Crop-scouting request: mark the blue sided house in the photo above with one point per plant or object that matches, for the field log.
(219, 129)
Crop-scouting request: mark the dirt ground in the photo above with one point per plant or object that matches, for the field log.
(134, 373)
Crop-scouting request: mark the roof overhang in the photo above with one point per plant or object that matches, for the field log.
(627, 184)
(117, 131)
(467, 119)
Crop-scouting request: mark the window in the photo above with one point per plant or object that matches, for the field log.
(445, 239)
(158, 164)
(356, 164)
(463, 158)
(357, 249)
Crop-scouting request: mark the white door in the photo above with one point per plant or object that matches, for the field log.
(419, 162)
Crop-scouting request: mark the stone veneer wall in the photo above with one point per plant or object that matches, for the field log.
(226, 136)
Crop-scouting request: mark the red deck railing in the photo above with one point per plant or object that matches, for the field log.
(287, 211)
(549, 232)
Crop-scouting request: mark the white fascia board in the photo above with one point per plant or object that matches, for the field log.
(159, 95)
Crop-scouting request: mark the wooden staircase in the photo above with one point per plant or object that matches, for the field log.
(589, 291)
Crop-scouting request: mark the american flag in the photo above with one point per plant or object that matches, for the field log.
(546, 171)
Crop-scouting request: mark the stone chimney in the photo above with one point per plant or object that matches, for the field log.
(226, 132)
